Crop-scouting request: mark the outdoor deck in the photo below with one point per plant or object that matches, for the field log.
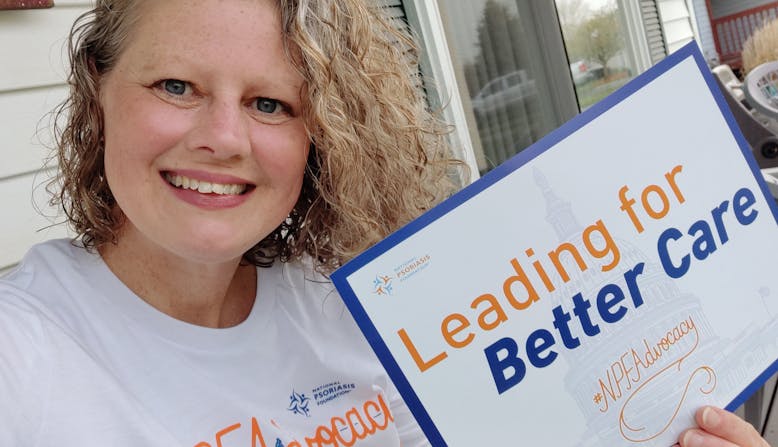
(767, 419)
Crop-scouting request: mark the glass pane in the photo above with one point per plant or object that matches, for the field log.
(597, 49)
(499, 61)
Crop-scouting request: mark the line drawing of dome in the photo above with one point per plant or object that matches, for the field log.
(667, 306)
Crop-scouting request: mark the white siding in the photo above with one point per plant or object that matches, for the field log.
(31, 84)
(707, 44)
(32, 46)
(676, 23)
(24, 135)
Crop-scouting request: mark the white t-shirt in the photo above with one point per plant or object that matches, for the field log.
(84, 361)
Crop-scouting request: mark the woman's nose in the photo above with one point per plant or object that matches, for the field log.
(223, 130)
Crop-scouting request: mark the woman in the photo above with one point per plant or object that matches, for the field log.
(204, 138)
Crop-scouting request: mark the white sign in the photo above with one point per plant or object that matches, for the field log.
(595, 289)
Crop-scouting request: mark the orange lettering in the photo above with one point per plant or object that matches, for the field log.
(360, 425)
(377, 411)
(494, 307)
(423, 366)
(522, 278)
(660, 193)
(339, 433)
(670, 176)
(223, 432)
(449, 332)
(354, 420)
(570, 248)
(385, 408)
(256, 434)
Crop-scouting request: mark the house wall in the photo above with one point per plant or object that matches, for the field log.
(32, 82)
(733, 26)
(676, 23)
(707, 44)
(721, 8)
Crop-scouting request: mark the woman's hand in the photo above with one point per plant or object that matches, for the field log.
(720, 428)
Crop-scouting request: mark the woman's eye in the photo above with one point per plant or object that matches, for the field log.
(269, 106)
(174, 86)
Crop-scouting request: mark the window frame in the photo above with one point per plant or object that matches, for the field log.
(438, 67)
(425, 18)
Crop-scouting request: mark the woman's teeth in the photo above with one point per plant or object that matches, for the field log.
(203, 187)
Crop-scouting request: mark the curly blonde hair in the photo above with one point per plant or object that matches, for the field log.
(378, 156)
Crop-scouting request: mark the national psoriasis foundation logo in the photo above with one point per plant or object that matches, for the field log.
(384, 284)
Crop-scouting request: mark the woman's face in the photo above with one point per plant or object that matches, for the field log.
(205, 146)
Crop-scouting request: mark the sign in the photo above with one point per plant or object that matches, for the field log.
(594, 290)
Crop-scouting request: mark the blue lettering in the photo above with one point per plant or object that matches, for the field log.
(604, 305)
(667, 264)
(718, 220)
(500, 366)
(630, 276)
(535, 349)
(742, 201)
(704, 244)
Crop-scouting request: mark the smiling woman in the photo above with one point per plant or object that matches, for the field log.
(203, 139)
(189, 108)
(217, 158)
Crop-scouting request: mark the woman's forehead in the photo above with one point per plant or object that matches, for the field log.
(171, 13)
(210, 40)
(226, 26)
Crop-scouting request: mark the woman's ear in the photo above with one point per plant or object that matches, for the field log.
(94, 71)
(92, 66)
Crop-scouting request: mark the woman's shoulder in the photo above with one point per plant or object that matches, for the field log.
(45, 263)
(24, 318)
(38, 286)
(299, 284)
(306, 295)
(30, 324)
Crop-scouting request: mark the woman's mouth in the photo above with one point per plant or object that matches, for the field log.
(203, 187)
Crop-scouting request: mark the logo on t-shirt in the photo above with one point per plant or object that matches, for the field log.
(298, 404)
(331, 391)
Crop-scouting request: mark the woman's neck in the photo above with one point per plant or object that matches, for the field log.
(217, 295)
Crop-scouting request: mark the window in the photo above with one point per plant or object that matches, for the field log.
(508, 69)
(596, 42)
(513, 70)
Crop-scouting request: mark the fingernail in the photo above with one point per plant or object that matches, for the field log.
(710, 418)
(692, 439)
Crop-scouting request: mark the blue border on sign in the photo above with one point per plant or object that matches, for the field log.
(340, 276)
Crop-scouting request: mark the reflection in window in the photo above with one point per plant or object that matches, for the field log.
(600, 61)
(498, 57)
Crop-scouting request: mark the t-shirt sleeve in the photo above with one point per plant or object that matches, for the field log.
(24, 373)
(408, 429)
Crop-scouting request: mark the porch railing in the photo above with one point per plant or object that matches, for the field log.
(731, 32)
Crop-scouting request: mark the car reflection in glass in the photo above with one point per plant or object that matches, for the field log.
(504, 91)
(584, 71)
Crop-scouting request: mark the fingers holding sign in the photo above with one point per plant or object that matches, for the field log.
(720, 428)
